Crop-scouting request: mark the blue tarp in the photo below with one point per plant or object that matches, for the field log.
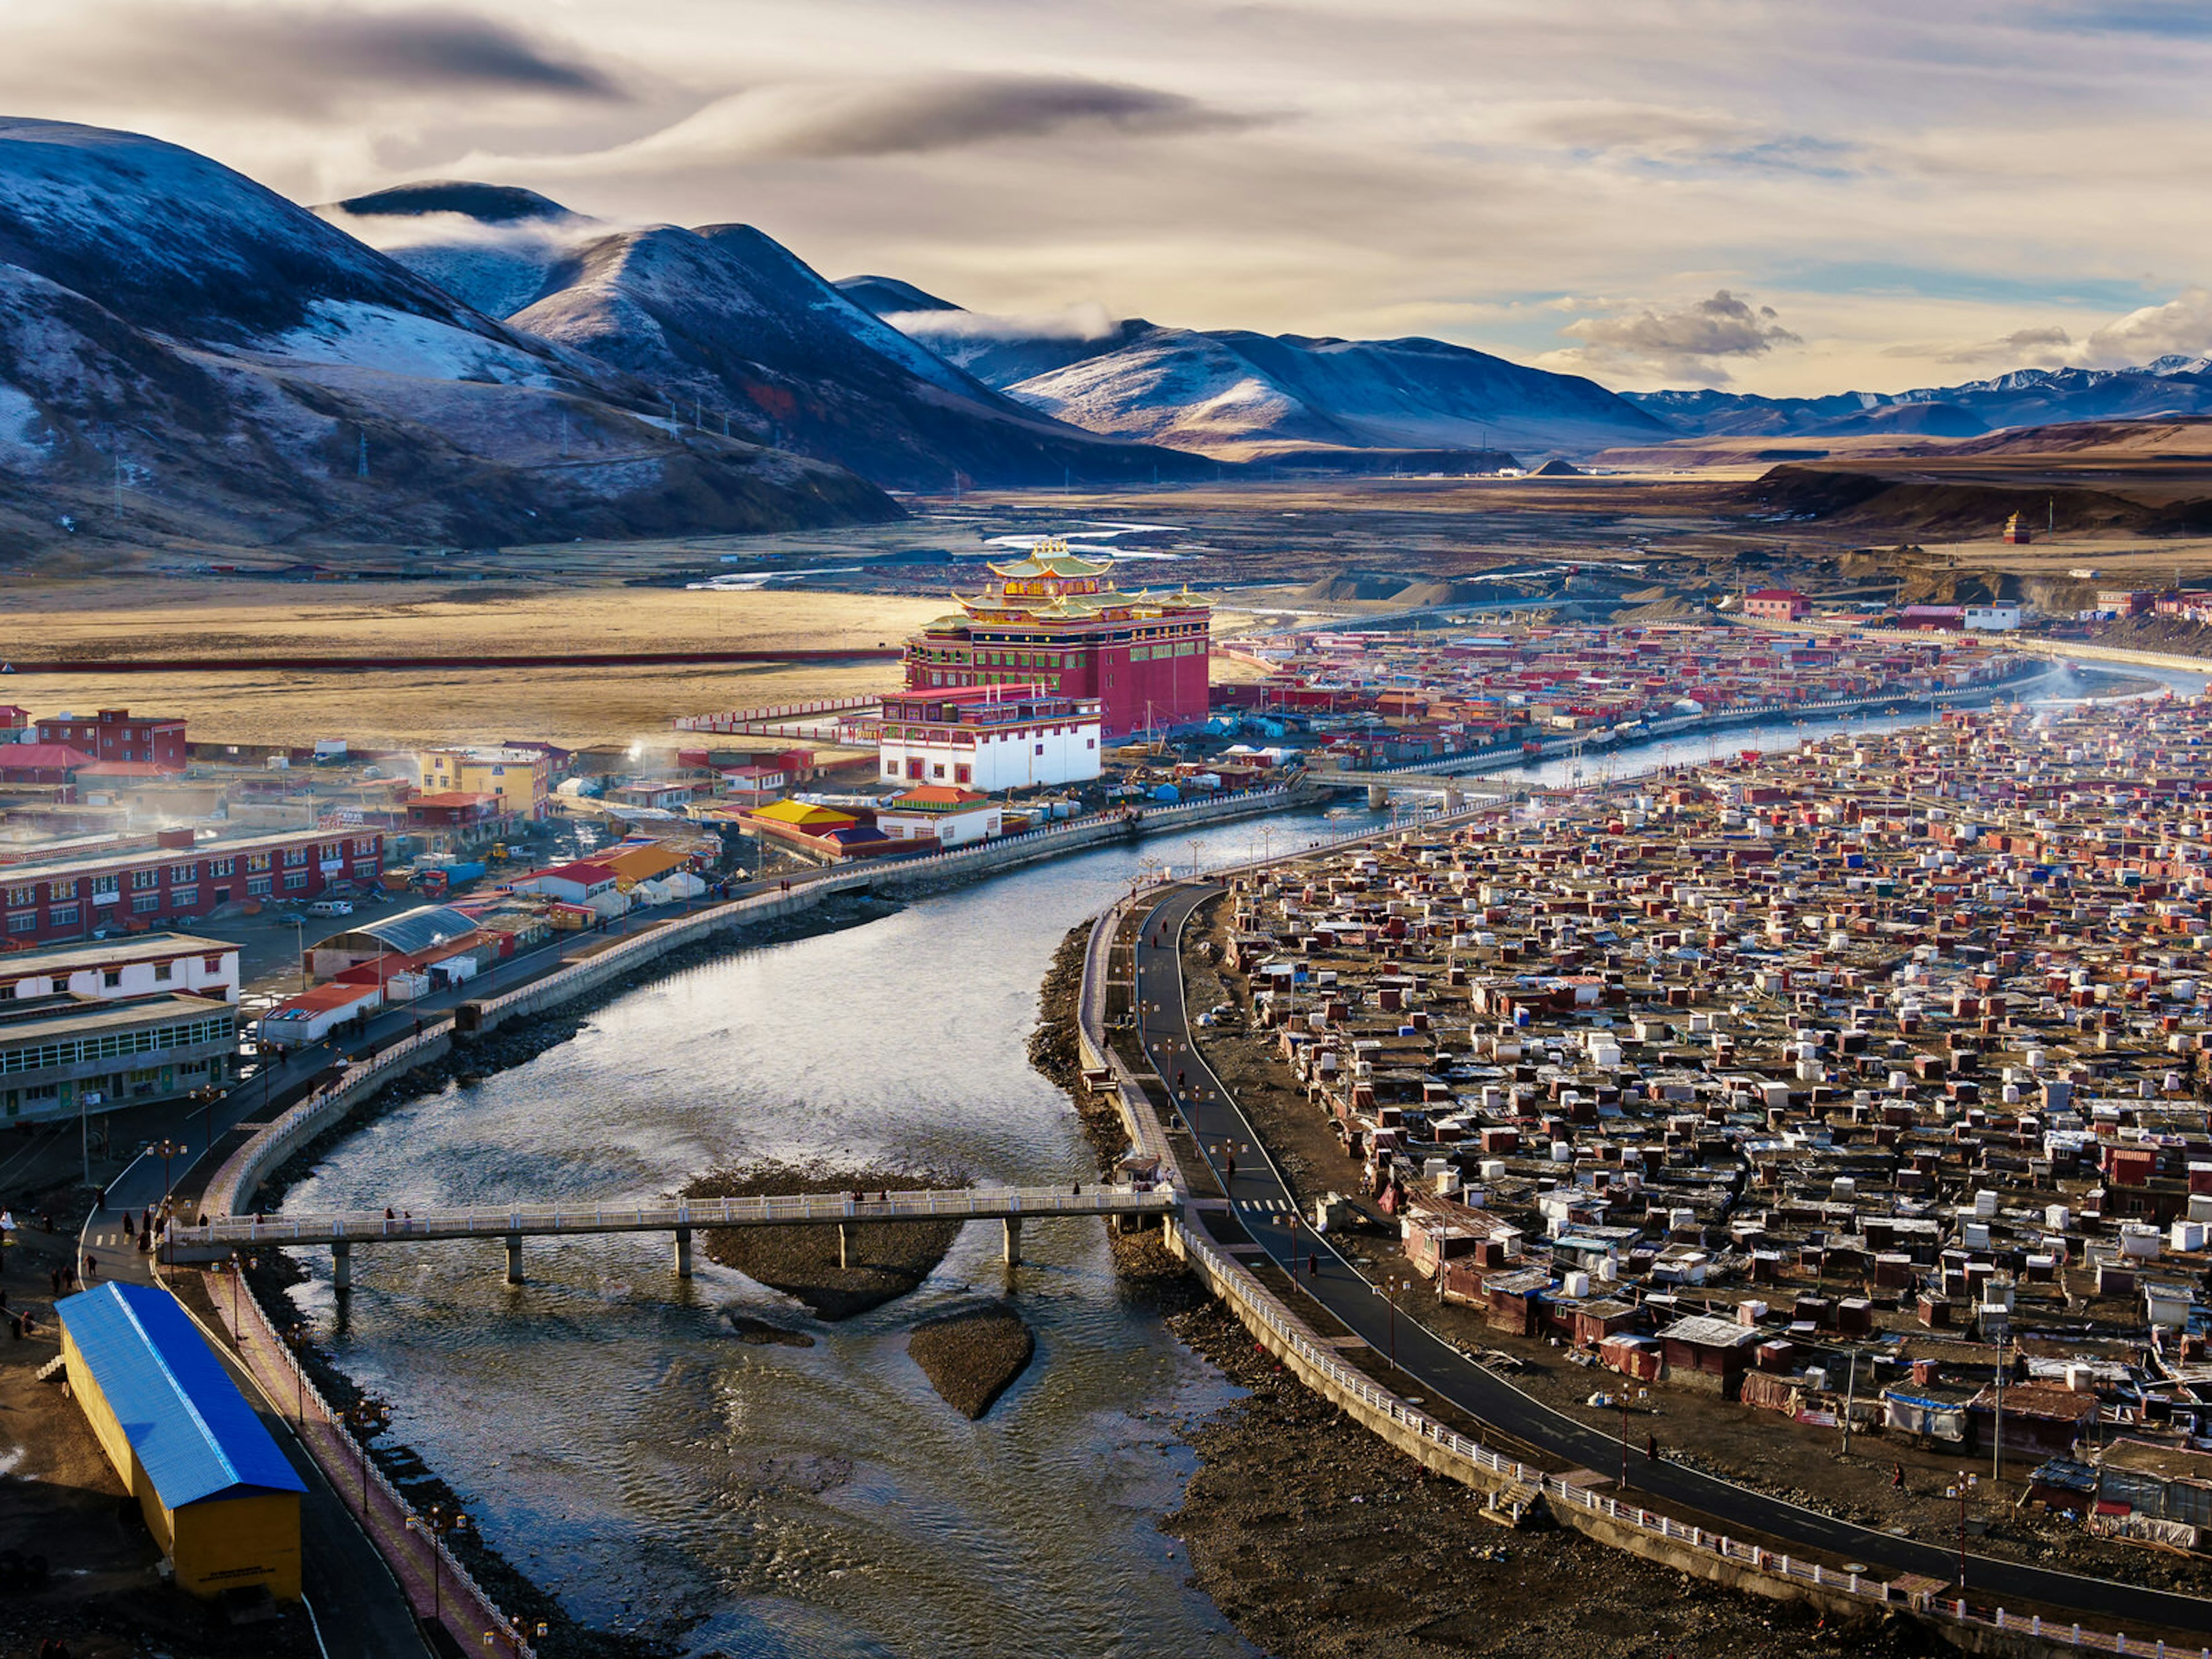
(193, 1431)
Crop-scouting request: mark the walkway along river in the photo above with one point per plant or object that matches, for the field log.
(616, 1441)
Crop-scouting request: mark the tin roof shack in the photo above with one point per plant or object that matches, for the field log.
(1710, 1355)
(2160, 1481)
(220, 1499)
(2040, 1419)
(1442, 1235)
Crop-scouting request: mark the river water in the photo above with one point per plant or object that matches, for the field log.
(622, 1447)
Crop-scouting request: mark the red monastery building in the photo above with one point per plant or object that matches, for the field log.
(1055, 621)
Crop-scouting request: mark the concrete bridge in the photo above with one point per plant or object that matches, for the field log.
(218, 1238)
(1455, 789)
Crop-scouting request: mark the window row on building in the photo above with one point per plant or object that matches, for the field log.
(114, 1045)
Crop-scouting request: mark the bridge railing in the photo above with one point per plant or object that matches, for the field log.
(490, 1221)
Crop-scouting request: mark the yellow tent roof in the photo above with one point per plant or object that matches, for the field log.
(642, 863)
(800, 816)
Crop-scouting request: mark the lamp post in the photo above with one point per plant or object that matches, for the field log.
(239, 1264)
(364, 1420)
(295, 1338)
(165, 1150)
(1964, 1484)
(435, 1527)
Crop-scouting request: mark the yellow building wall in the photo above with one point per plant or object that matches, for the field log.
(224, 1542)
(216, 1544)
(97, 1412)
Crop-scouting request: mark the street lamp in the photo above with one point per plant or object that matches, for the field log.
(165, 1150)
(239, 1264)
(1965, 1484)
(295, 1338)
(365, 1421)
(1621, 1400)
(435, 1527)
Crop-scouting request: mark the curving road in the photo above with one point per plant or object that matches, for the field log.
(1261, 1204)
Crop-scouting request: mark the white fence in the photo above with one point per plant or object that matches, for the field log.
(510, 1630)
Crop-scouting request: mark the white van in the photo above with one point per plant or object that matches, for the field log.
(330, 907)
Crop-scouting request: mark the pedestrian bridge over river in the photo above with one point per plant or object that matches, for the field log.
(218, 1238)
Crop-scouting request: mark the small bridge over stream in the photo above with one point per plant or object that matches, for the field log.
(217, 1239)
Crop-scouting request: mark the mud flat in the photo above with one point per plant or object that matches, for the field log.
(973, 1357)
(1321, 1542)
(890, 1258)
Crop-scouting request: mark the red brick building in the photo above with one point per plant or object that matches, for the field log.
(178, 881)
(115, 734)
(1053, 621)
(1777, 604)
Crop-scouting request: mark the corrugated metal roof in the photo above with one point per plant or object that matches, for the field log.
(415, 930)
(193, 1431)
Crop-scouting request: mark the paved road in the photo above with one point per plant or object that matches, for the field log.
(143, 1182)
(1261, 1199)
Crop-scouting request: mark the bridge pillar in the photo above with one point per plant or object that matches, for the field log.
(683, 1253)
(515, 1258)
(341, 1265)
(1454, 801)
(844, 1247)
(1013, 1241)
(1378, 797)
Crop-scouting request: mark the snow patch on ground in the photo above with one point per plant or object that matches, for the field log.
(364, 336)
(23, 436)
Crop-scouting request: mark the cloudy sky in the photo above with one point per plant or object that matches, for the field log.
(1781, 197)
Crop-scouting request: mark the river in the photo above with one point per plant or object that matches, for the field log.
(622, 1447)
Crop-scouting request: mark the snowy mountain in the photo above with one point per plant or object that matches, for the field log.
(2026, 397)
(730, 327)
(229, 367)
(1230, 392)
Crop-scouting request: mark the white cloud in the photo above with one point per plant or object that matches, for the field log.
(1687, 343)
(1076, 322)
(2181, 325)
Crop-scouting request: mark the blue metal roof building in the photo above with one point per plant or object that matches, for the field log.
(220, 1495)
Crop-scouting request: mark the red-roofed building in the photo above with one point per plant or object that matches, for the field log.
(115, 735)
(1777, 604)
(46, 764)
(462, 814)
(314, 1014)
(15, 724)
(595, 886)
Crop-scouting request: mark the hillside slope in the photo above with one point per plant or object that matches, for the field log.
(728, 326)
(1232, 393)
(186, 354)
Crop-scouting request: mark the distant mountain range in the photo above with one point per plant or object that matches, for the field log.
(185, 355)
(732, 329)
(1241, 395)
(2027, 396)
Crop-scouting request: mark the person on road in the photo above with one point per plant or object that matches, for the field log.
(1651, 1447)
(1897, 1477)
